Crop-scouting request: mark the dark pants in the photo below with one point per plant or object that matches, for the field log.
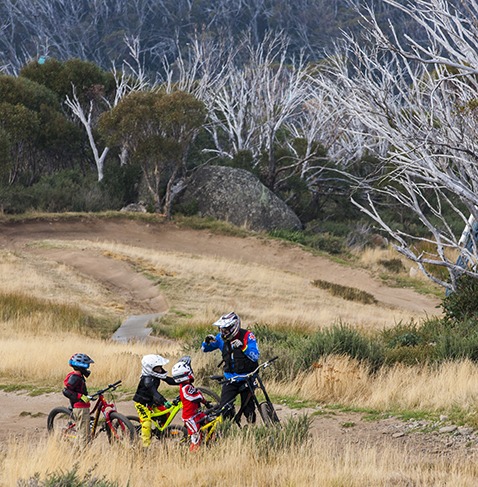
(230, 391)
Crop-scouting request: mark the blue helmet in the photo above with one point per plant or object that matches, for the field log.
(80, 360)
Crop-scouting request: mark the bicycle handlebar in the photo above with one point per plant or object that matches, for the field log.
(102, 391)
(221, 379)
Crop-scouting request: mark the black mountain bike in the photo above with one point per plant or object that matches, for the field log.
(257, 393)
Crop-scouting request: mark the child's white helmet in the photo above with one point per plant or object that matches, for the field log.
(182, 372)
(150, 362)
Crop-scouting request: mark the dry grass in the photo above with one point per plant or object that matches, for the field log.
(113, 360)
(321, 462)
(22, 272)
(206, 286)
(338, 379)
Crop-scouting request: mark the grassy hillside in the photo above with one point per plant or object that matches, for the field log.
(49, 311)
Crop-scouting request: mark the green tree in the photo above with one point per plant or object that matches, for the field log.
(89, 81)
(157, 130)
(40, 138)
(19, 127)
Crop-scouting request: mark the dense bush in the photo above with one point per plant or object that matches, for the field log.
(463, 303)
(434, 340)
(70, 190)
(319, 241)
(67, 479)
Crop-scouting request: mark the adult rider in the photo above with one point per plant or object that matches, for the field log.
(240, 355)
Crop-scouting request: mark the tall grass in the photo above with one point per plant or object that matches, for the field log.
(39, 316)
(237, 462)
(321, 360)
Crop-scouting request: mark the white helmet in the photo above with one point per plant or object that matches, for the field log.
(228, 325)
(182, 372)
(149, 362)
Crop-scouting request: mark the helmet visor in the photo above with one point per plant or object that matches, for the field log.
(228, 332)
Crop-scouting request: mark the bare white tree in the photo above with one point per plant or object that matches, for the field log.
(418, 100)
(261, 91)
(131, 77)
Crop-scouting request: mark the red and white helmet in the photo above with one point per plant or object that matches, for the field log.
(182, 372)
(228, 325)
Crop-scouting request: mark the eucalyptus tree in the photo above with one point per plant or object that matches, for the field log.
(157, 129)
(418, 102)
(261, 90)
(35, 135)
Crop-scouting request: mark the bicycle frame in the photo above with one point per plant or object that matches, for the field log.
(115, 425)
(103, 406)
(208, 429)
(252, 381)
(172, 411)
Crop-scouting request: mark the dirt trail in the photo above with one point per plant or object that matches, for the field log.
(21, 414)
(169, 237)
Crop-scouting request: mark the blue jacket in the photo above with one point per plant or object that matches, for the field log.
(249, 350)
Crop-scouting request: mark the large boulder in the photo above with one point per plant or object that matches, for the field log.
(237, 196)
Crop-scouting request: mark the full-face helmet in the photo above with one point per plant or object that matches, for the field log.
(182, 372)
(153, 365)
(228, 325)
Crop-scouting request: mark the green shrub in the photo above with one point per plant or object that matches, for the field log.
(408, 335)
(462, 303)
(67, 479)
(319, 241)
(120, 184)
(345, 292)
(408, 355)
(342, 340)
(392, 265)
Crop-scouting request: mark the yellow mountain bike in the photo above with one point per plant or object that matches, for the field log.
(161, 427)
(210, 425)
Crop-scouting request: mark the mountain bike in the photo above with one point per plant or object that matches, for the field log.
(104, 418)
(210, 424)
(161, 427)
(253, 382)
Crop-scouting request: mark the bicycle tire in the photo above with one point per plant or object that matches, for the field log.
(210, 396)
(134, 420)
(268, 413)
(121, 429)
(174, 433)
(60, 420)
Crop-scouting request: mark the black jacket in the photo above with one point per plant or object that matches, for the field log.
(235, 360)
(147, 391)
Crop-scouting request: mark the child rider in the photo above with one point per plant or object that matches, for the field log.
(191, 398)
(75, 390)
(147, 399)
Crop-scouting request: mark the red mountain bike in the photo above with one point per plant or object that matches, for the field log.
(104, 418)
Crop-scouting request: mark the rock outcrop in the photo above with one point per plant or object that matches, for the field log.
(237, 196)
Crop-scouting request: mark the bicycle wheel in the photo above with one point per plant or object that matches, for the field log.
(268, 413)
(210, 396)
(121, 430)
(174, 433)
(60, 420)
(134, 420)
